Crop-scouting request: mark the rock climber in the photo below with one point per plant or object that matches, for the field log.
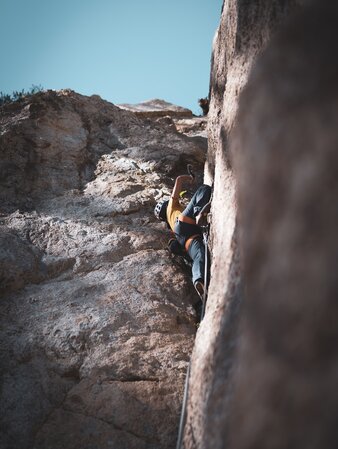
(186, 224)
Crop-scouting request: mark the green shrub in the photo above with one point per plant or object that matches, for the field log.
(18, 95)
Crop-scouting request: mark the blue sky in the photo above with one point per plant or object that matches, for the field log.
(126, 51)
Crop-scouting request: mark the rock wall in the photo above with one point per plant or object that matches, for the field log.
(286, 147)
(244, 31)
(97, 321)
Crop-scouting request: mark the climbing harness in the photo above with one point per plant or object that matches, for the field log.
(204, 300)
(186, 219)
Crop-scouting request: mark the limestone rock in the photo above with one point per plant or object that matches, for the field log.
(245, 29)
(51, 143)
(287, 164)
(20, 261)
(195, 126)
(97, 320)
(157, 108)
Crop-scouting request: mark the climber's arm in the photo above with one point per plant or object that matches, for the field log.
(178, 185)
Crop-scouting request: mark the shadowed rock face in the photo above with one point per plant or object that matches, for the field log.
(287, 167)
(244, 31)
(96, 320)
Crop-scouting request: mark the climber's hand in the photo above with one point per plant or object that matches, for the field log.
(180, 180)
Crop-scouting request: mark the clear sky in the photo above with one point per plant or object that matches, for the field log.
(126, 51)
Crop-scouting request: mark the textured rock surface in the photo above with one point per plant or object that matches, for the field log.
(157, 108)
(195, 126)
(97, 321)
(95, 337)
(174, 117)
(287, 164)
(244, 30)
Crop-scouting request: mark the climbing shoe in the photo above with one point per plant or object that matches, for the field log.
(199, 287)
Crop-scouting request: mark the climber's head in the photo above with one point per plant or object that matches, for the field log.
(160, 210)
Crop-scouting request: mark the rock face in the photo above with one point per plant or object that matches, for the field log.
(171, 115)
(287, 170)
(196, 126)
(157, 108)
(244, 30)
(97, 321)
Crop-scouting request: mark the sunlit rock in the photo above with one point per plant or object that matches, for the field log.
(97, 319)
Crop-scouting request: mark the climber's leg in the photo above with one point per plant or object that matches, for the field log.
(200, 198)
(196, 251)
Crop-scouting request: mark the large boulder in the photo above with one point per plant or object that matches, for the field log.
(97, 321)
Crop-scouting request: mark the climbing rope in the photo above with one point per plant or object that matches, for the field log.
(183, 411)
(204, 301)
(205, 230)
(205, 240)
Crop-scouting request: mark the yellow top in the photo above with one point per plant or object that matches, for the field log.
(174, 209)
